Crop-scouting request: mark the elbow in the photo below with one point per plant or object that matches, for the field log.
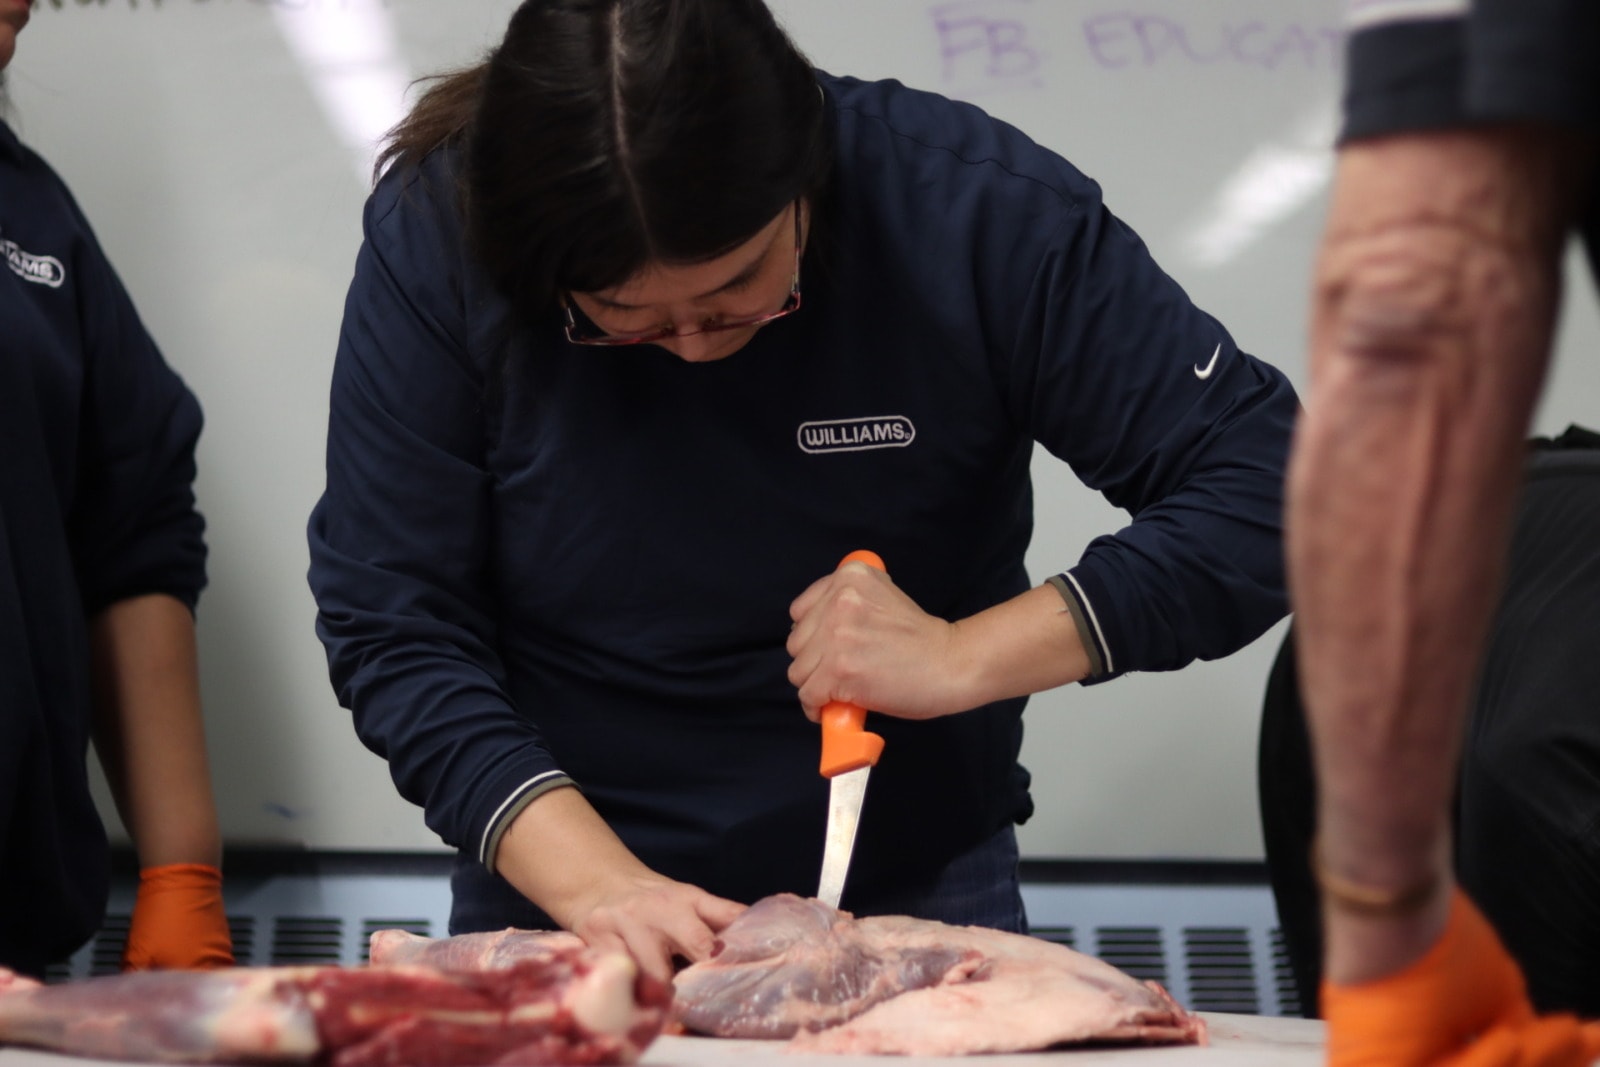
(1391, 324)
(1428, 319)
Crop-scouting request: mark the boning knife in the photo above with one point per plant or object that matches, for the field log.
(849, 753)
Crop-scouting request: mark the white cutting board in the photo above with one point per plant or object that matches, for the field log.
(1236, 1040)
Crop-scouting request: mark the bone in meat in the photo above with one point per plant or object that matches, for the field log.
(489, 951)
(576, 1007)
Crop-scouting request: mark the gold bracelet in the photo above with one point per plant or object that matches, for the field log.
(1359, 899)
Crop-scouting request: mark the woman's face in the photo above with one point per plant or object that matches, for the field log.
(755, 279)
(13, 16)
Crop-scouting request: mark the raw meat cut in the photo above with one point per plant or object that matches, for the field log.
(795, 967)
(575, 1006)
(469, 952)
(782, 968)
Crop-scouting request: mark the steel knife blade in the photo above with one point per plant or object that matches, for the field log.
(845, 793)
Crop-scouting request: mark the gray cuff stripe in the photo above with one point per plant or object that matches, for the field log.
(1359, 14)
(521, 797)
(1089, 632)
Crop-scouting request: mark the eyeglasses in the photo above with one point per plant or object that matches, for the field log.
(580, 331)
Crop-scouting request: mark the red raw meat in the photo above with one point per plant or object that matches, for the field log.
(796, 967)
(575, 1006)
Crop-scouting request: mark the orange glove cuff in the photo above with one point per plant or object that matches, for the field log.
(178, 920)
(1463, 1004)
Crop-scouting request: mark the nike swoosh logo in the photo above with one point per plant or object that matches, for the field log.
(1205, 372)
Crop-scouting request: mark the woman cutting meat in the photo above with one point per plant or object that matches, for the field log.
(653, 323)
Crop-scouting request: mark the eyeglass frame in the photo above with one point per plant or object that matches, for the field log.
(662, 333)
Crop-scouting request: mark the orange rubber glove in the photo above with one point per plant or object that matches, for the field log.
(178, 922)
(1463, 1004)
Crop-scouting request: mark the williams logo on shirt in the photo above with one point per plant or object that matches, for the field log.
(856, 435)
(46, 270)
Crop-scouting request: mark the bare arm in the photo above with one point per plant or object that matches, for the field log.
(148, 730)
(1435, 300)
(151, 742)
(562, 856)
(857, 637)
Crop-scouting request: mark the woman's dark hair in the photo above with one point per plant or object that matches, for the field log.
(602, 135)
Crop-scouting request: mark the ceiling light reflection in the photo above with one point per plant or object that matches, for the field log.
(351, 58)
(1273, 182)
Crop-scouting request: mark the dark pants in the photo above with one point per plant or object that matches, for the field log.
(1527, 814)
(980, 887)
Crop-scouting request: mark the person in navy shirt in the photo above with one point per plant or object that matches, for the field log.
(101, 562)
(653, 323)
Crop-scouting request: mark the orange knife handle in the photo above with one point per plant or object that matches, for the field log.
(846, 743)
(867, 556)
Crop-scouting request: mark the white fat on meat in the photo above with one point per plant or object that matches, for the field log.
(602, 1000)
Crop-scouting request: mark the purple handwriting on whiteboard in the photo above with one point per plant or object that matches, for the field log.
(1130, 40)
(984, 43)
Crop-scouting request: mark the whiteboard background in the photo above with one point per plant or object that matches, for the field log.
(221, 150)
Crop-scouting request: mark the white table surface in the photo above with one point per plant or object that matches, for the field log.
(1236, 1040)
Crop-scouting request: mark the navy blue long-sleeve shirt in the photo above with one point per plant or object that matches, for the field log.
(538, 563)
(97, 438)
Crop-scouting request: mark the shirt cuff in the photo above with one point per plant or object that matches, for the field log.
(1083, 616)
(512, 806)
